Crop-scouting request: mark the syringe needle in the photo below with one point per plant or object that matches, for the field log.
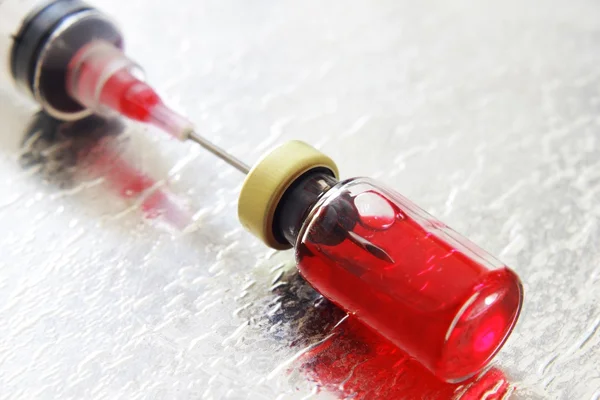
(222, 154)
(101, 77)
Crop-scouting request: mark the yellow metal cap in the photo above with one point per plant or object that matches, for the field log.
(268, 180)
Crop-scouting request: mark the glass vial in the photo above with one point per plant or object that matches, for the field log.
(405, 274)
(384, 260)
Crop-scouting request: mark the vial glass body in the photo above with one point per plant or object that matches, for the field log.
(408, 276)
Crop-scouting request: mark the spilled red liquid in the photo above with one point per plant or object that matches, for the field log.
(432, 293)
(357, 363)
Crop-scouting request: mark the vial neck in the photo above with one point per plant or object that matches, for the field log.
(297, 202)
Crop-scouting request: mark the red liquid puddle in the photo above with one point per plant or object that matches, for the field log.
(357, 363)
(431, 294)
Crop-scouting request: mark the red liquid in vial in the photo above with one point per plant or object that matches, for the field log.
(440, 300)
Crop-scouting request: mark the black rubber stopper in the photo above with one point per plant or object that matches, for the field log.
(34, 33)
(31, 52)
(333, 222)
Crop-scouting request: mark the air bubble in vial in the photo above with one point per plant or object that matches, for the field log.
(375, 211)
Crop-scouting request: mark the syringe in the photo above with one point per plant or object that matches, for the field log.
(69, 57)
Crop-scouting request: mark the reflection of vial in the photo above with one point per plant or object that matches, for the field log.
(384, 260)
(38, 39)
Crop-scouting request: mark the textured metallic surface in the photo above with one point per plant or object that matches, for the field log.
(485, 113)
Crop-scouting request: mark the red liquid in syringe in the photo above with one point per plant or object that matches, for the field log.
(104, 80)
(130, 96)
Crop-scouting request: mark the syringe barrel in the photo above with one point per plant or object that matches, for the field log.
(39, 38)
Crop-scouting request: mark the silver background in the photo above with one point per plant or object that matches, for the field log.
(485, 113)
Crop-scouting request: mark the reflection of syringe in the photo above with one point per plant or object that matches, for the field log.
(84, 154)
(69, 57)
